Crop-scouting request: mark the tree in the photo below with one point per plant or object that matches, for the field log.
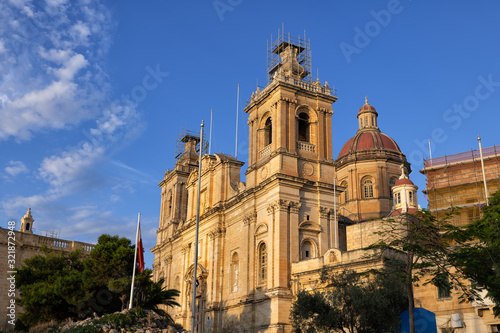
(108, 272)
(416, 247)
(150, 295)
(60, 285)
(51, 286)
(478, 257)
(351, 302)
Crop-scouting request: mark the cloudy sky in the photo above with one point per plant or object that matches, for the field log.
(93, 94)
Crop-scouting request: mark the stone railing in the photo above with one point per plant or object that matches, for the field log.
(301, 145)
(51, 242)
(266, 151)
(314, 87)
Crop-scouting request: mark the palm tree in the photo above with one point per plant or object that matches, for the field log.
(150, 295)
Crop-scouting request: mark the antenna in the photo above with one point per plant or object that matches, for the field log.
(237, 105)
(210, 137)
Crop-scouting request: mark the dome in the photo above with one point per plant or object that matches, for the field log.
(367, 107)
(403, 181)
(369, 140)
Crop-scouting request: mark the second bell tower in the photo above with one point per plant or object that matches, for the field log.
(290, 120)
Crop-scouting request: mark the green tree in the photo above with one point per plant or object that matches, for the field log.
(351, 302)
(108, 272)
(51, 286)
(416, 249)
(151, 295)
(478, 256)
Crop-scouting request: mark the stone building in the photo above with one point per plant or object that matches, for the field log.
(259, 239)
(457, 181)
(20, 246)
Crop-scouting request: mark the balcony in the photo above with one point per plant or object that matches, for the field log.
(306, 146)
(266, 151)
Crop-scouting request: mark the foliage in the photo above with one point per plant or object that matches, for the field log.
(51, 287)
(149, 295)
(352, 302)
(416, 248)
(478, 257)
(60, 285)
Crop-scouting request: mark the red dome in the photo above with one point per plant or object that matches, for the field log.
(369, 140)
(404, 181)
(367, 107)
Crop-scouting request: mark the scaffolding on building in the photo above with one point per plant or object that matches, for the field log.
(183, 135)
(277, 46)
(457, 181)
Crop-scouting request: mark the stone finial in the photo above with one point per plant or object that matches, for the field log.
(366, 99)
(404, 172)
(27, 222)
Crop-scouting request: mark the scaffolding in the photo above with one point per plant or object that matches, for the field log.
(279, 45)
(183, 136)
(457, 181)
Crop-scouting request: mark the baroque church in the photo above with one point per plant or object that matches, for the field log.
(263, 240)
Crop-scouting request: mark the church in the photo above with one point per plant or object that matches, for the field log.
(300, 208)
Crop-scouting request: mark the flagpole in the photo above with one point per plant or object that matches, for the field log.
(135, 263)
(193, 300)
(484, 175)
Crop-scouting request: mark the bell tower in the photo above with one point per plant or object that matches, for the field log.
(27, 222)
(290, 120)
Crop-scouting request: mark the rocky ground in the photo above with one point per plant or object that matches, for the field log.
(123, 322)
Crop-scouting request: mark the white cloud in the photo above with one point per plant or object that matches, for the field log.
(15, 168)
(50, 65)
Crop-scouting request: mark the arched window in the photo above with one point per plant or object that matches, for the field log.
(368, 188)
(366, 121)
(303, 121)
(392, 182)
(262, 263)
(268, 132)
(346, 192)
(307, 250)
(235, 268)
(169, 213)
(398, 198)
(27, 226)
(410, 194)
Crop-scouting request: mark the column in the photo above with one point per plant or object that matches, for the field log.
(294, 255)
(323, 236)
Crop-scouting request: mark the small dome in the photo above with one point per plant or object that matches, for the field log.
(369, 140)
(367, 107)
(404, 181)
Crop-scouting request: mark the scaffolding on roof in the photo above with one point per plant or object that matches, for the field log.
(303, 54)
(183, 136)
(457, 181)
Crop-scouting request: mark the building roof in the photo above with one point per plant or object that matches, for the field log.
(399, 211)
(371, 139)
(403, 181)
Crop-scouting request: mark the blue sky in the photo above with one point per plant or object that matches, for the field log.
(93, 94)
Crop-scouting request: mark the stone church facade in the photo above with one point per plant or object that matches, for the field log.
(263, 240)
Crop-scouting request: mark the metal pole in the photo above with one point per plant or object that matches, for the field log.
(210, 138)
(193, 299)
(135, 263)
(484, 175)
(237, 106)
(430, 153)
(220, 305)
(336, 225)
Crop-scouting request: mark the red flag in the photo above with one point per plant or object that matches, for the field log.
(141, 251)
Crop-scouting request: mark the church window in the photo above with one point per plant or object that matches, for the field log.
(235, 267)
(392, 182)
(444, 291)
(373, 121)
(307, 250)
(398, 198)
(27, 226)
(262, 263)
(346, 192)
(360, 123)
(169, 213)
(368, 188)
(304, 129)
(366, 121)
(411, 196)
(268, 132)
